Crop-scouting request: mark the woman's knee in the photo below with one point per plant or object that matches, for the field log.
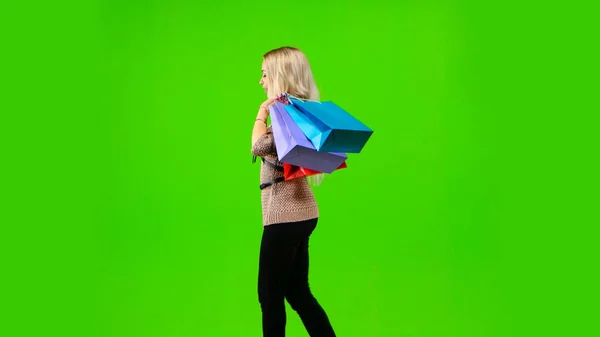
(300, 299)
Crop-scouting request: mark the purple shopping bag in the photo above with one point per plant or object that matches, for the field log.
(294, 148)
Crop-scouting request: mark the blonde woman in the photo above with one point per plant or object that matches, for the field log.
(289, 209)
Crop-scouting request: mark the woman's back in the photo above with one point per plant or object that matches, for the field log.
(284, 201)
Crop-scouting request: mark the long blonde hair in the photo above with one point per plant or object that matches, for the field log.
(288, 71)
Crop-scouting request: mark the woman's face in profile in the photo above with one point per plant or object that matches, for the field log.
(263, 78)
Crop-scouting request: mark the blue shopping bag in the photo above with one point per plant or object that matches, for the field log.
(295, 149)
(329, 127)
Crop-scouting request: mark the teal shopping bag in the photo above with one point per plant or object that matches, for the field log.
(311, 130)
(329, 127)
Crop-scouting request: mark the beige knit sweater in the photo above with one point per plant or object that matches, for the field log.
(285, 201)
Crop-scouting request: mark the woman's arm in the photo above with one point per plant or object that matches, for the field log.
(262, 140)
(260, 124)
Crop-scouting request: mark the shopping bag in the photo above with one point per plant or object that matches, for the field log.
(294, 148)
(329, 127)
(311, 129)
(293, 172)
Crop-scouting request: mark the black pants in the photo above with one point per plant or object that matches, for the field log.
(283, 274)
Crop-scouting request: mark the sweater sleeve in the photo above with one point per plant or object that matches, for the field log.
(265, 145)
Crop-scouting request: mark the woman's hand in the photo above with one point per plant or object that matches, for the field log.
(263, 111)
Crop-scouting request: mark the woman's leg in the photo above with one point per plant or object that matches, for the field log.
(298, 292)
(278, 249)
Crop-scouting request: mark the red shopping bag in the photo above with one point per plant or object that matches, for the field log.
(293, 172)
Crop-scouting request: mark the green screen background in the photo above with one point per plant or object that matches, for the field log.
(132, 206)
